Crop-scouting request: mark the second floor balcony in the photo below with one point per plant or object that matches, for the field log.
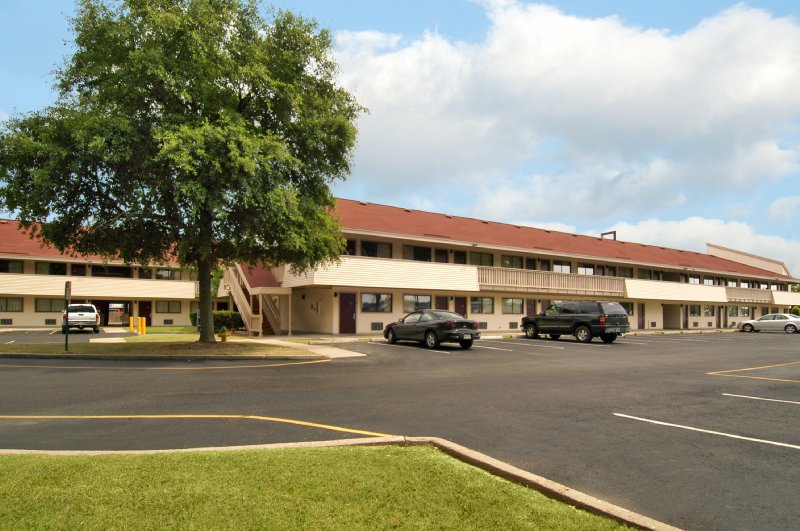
(97, 287)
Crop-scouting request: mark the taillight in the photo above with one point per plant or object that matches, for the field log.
(449, 325)
(602, 320)
(97, 318)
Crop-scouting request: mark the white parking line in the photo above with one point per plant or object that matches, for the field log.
(9, 342)
(492, 348)
(764, 399)
(721, 434)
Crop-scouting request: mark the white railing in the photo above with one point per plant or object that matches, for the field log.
(497, 278)
(272, 313)
(241, 296)
(749, 295)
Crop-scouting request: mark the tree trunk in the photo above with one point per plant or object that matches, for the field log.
(206, 297)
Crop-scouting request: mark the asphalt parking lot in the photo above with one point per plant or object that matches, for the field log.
(699, 431)
(55, 336)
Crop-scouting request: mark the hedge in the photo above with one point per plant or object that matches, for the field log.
(228, 319)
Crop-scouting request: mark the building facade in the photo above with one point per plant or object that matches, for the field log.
(33, 279)
(399, 260)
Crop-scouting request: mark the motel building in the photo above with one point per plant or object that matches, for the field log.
(400, 260)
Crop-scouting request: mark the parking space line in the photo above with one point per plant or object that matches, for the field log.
(493, 348)
(183, 417)
(764, 399)
(728, 373)
(709, 432)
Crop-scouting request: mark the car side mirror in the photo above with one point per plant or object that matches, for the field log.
(401, 320)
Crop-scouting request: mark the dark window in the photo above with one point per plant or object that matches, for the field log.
(569, 307)
(168, 306)
(514, 262)
(10, 304)
(645, 274)
(10, 266)
(587, 307)
(376, 249)
(416, 302)
(512, 306)
(413, 318)
(441, 256)
(530, 263)
(49, 305)
(420, 254)
(482, 304)
(112, 271)
(49, 268)
(376, 302)
(459, 257)
(350, 248)
(544, 265)
(481, 259)
(78, 270)
(168, 274)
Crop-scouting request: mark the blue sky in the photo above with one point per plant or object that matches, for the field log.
(675, 123)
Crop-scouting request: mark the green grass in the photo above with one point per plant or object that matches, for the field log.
(382, 487)
(158, 345)
(170, 329)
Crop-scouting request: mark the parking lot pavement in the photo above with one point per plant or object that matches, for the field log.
(699, 431)
(54, 335)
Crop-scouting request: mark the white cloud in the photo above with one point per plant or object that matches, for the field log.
(587, 110)
(694, 232)
(783, 209)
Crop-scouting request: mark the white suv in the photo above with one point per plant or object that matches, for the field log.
(80, 316)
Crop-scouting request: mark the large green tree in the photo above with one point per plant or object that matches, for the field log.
(195, 130)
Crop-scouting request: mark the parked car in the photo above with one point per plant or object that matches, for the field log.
(583, 319)
(772, 322)
(432, 327)
(80, 316)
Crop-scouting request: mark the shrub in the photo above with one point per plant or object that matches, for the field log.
(796, 310)
(227, 319)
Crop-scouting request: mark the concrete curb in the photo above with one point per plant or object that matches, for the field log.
(540, 484)
(121, 357)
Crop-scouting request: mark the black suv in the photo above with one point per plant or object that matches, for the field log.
(583, 319)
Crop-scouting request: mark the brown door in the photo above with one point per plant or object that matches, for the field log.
(146, 310)
(441, 302)
(530, 307)
(640, 311)
(460, 305)
(719, 316)
(347, 313)
(685, 317)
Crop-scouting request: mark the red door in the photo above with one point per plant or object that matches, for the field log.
(441, 302)
(460, 305)
(347, 313)
(146, 310)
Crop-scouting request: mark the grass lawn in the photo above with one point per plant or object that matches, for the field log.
(159, 345)
(383, 487)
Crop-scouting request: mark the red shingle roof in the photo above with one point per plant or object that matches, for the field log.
(355, 215)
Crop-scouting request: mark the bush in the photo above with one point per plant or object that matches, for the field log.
(226, 319)
(796, 310)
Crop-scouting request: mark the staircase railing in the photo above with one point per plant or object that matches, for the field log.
(273, 314)
(240, 292)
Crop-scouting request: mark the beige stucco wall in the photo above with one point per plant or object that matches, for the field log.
(313, 311)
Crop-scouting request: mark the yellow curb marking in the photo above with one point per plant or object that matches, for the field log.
(159, 417)
(214, 368)
(728, 373)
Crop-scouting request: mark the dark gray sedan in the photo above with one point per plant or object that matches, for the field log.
(432, 327)
(772, 322)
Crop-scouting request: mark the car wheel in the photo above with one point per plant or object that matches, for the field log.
(608, 338)
(555, 336)
(791, 329)
(431, 339)
(391, 336)
(748, 328)
(465, 343)
(583, 334)
(531, 332)
(96, 329)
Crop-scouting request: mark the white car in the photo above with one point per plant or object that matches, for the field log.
(80, 316)
(772, 322)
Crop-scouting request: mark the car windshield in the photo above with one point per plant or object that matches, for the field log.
(613, 308)
(446, 315)
(81, 309)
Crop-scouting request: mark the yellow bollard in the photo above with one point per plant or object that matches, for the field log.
(131, 323)
(144, 326)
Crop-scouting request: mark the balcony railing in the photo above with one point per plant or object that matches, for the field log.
(502, 279)
(749, 295)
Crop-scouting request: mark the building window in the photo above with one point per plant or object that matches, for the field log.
(168, 274)
(481, 259)
(49, 268)
(440, 255)
(774, 287)
(376, 249)
(744, 311)
(694, 279)
(585, 269)
(482, 304)
(413, 303)
(733, 311)
(10, 304)
(562, 267)
(744, 284)
(694, 310)
(112, 271)
(628, 307)
(459, 257)
(544, 265)
(168, 306)
(708, 281)
(645, 274)
(625, 272)
(732, 283)
(376, 302)
(512, 306)
(708, 310)
(10, 266)
(511, 261)
(49, 305)
(420, 254)
(78, 270)
(350, 248)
